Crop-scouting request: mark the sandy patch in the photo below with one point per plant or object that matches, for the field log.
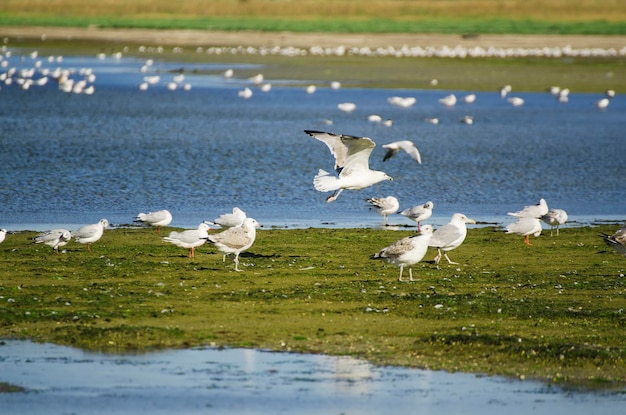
(306, 40)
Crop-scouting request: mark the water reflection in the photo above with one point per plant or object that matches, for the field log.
(61, 380)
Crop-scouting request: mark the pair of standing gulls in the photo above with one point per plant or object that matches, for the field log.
(239, 235)
(528, 220)
(412, 249)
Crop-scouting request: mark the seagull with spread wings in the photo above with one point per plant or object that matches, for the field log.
(407, 146)
(351, 164)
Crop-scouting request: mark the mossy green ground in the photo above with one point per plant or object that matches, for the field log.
(553, 311)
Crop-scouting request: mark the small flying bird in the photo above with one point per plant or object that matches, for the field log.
(89, 234)
(351, 164)
(54, 238)
(230, 220)
(419, 213)
(190, 238)
(525, 226)
(407, 251)
(374, 118)
(235, 240)
(433, 121)
(156, 219)
(468, 119)
(450, 236)
(407, 146)
(617, 240)
(532, 211)
(384, 205)
(555, 218)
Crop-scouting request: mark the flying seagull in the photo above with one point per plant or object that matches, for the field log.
(407, 251)
(351, 164)
(407, 146)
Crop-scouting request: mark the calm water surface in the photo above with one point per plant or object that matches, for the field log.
(61, 380)
(73, 159)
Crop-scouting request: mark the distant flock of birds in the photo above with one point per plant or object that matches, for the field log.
(351, 172)
(82, 81)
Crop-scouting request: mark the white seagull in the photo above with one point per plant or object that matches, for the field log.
(235, 240)
(450, 236)
(525, 226)
(469, 99)
(532, 211)
(347, 106)
(419, 213)
(89, 234)
(448, 101)
(190, 238)
(384, 205)
(516, 101)
(230, 220)
(603, 103)
(156, 219)
(54, 238)
(555, 218)
(407, 251)
(3, 235)
(407, 146)
(351, 164)
(402, 102)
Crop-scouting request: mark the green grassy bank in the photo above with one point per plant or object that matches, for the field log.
(342, 16)
(553, 311)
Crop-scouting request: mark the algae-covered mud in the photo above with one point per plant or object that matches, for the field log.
(552, 311)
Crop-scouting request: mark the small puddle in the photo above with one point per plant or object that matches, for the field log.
(50, 379)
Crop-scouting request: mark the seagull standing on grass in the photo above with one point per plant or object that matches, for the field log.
(532, 211)
(54, 238)
(190, 239)
(235, 240)
(384, 205)
(525, 226)
(3, 235)
(555, 218)
(419, 213)
(89, 234)
(450, 236)
(155, 219)
(407, 251)
(351, 164)
(405, 145)
(230, 220)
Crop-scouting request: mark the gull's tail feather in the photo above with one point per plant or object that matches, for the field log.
(325, 182)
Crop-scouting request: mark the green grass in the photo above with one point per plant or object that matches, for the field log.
(370, 25)
(553, 311)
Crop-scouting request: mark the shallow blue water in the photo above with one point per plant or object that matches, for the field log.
(62, 380)
(73, 159)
